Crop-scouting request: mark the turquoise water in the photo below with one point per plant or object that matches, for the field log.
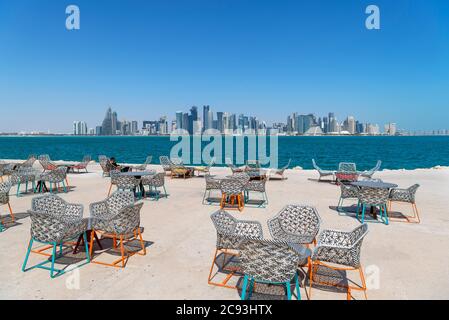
(395, 152)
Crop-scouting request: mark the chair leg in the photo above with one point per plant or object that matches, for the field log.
(362, 277)
(64, 187)
(142, 242)
(245, 284)
(53, 257)
(385, 213)
(363, 213)
(30, 245)
(298, 292)
(122, 251)
(18, 189)
(110, 188)
(289, 291)
(11, 213)
(91, 243)
(312, 265)
(416, 213)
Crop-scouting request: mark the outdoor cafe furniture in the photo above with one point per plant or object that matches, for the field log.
(347, 171)
(23, 176)
(229, 239)
(278, 172)
(271, 262)
(252, 165)
(211, 184)
(55, 178)
(154, 181)
(232, 194)
(46, 163)
(81, 165)
(234, 168)
(295, 223)
(323, 173)
(256, 186)
(165, 163)
(347, 192)
(5, 169)
(338, 251)
(54, 223)
(205, 170)
(4, 200)
(406, 196)
(373, 194)
(118, 218)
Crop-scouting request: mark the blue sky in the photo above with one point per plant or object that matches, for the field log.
(147, 58)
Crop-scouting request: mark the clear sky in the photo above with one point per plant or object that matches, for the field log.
(147, 58)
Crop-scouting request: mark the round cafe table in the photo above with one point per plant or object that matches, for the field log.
(374, 184)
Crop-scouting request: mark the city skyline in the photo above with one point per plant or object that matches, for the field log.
(258, 58)
(230, 123)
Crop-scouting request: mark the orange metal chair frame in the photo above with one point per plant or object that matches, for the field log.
(232, 271)
(122, 238)
(315, 264)
(415, 219)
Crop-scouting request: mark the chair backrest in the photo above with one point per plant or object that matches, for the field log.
(44, 157)
(118, 200)
(288, 164)
(128, 219)
(315, 166)
(347, 167)
(55, 176)
(256, 185)
(126, 182)
(268, 260)
(296, 220)
(373, 196)
(148, 160)
(87, 159)
(226, 225)
(349, 191)
(211, 183)
(158, 180)
(377, 166)
(29, 162)
(165, 162)
(243, 177)
(231, 186)
(56, 206)
(253, 164)
(102, 158)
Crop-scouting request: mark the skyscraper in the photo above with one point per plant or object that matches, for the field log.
(206, 124)
(220, 121)
(179, 120)
(107, 123)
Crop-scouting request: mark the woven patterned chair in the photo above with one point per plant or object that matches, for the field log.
(165, 163)
(55, 178)
(23, 176)
(273, 262)
(5, 169)
(155, 183)
(347, 171)
(342, 249)
(406, 196)
(46, 163)
(83, 164)
(229, 238)
(29, 162)
(54, 222)
(256, 186)
(373, 197)
(113, 174)
(105, 165)
(127, 183)
(4, 200)
(211, 185)
(144, 166)
(232, 194)
(323, 173)
(369, 173)
(118, 217)
(298, 224)
(347, 192)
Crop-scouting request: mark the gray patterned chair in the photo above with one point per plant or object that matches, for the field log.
(54, 222)
(155, 183)
(5, 169)
(252, 165)
(4, 200)
(272, 262)
(369, 173)
(127, 183)
(165, 163)
(29, 162)
(118, 218)
(232, 194)
(347, 192)
(212, 184)
(406, 196)
(205, 170)
(23, 176)
(54, 178)
(229, 239)
(298, 224)
(46, 163)
(256, 186)
(373, 197)
(338, 251)
(113, 174)
(144, 166)
(347, 171)
(323, 173)
(105, 165)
